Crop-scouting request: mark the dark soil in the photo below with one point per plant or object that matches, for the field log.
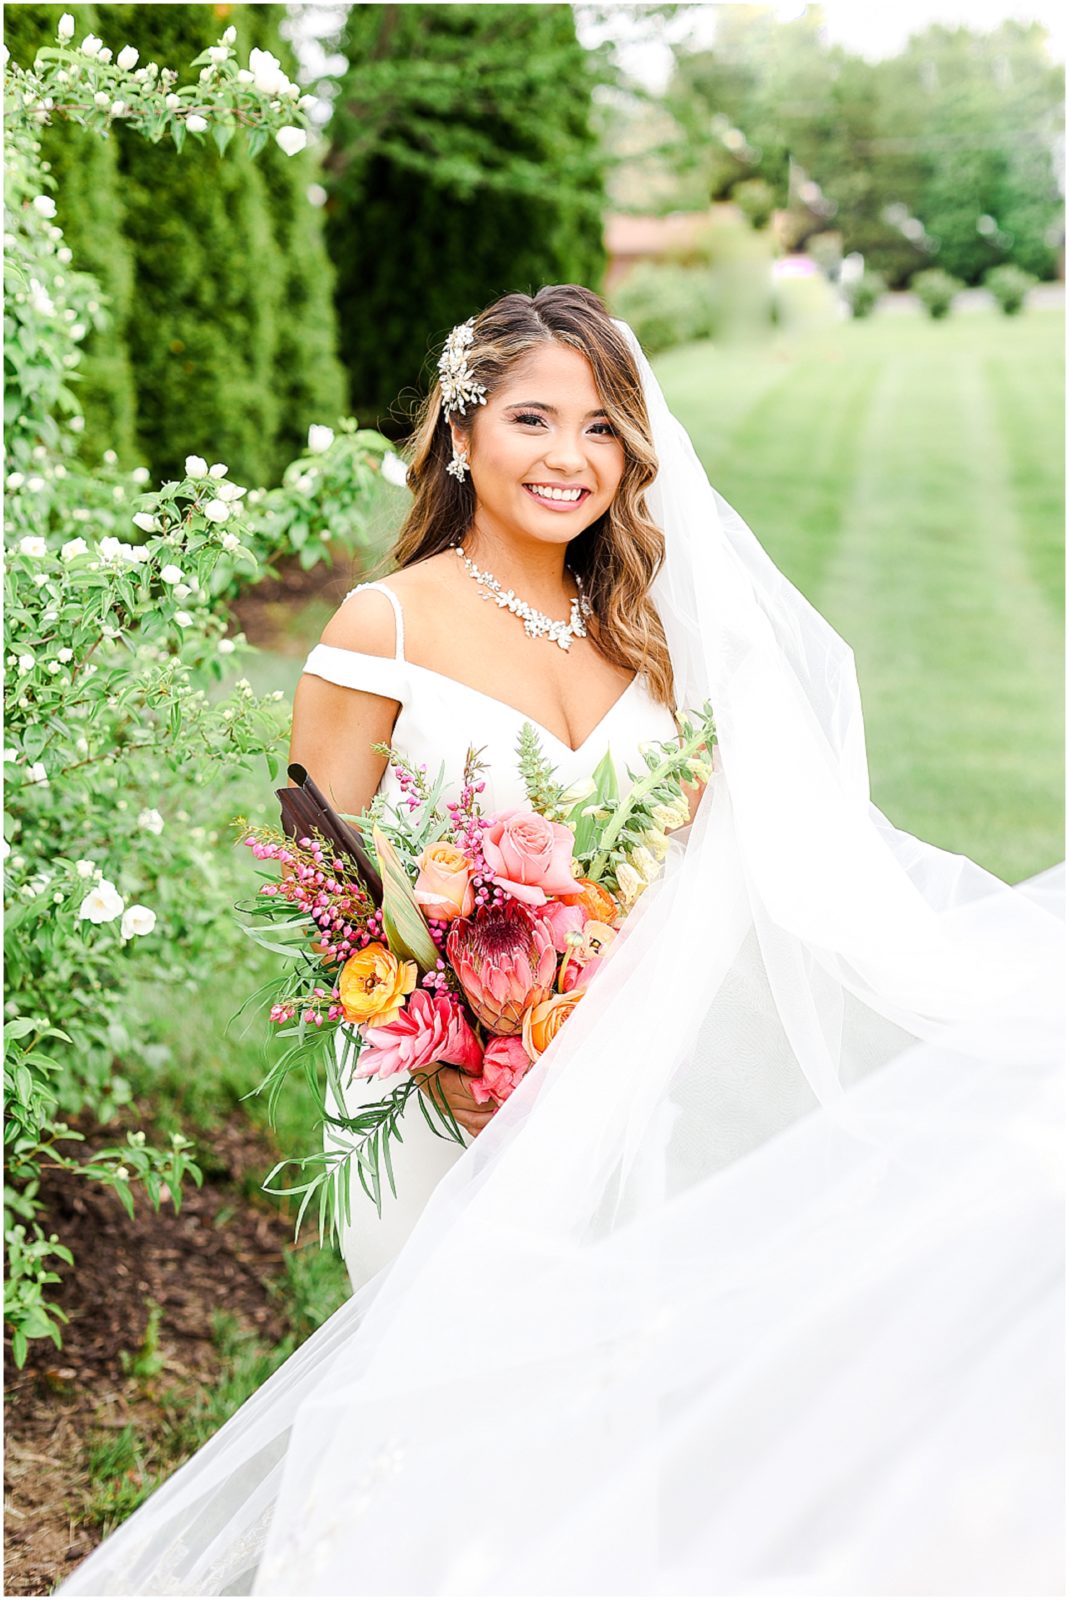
(266, 612)
(220, 1252)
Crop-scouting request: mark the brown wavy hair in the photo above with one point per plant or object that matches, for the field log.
(619, 555)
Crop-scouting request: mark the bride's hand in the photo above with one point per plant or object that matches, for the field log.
(451, 1083)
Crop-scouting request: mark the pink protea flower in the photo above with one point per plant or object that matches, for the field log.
(505, 1061)
(505, 960)
(429, 1028)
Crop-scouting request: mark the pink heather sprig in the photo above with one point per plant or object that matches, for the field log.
(340, 907)
(285, 1010)
(468, 826)
(411, 780)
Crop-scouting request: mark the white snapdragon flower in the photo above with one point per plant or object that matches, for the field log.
(145, 521)
(44, 204)
(267, 73)
(196, 467)
(196, 123)
(291, 140)
(103, 903)
(91, 45)
(394, 469)
(84, 868)
(65, 30)
(171, 574)
(218, 469)
(37, 774)
(217, 510)
(320, 438)
(127, 57)
(150, 820)
(32, 544)
(227, 647)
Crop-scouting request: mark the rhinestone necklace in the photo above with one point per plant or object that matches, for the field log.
(535, 622)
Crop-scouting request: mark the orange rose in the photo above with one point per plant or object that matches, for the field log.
(543, 1022)
(373, 984)
(597, 902)
(443, 889)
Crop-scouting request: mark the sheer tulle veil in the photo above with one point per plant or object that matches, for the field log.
(753, 1285)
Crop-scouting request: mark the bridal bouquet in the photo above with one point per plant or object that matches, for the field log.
(446, 936)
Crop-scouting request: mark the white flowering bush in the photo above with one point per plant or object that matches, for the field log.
(118, 761)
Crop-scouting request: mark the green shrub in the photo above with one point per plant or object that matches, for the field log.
(1010, 286)
(864, 293)
(936, 290)
(666, 305)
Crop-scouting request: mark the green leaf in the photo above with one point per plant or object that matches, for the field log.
(403, 921)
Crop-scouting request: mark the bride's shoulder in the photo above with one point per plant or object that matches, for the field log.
(366, 620)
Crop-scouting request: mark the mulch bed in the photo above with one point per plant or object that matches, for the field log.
(218, 1253)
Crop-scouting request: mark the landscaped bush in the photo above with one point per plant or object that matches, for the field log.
(118, 761)
(936, 290)
(864, 293)
(666, 305)
(1010, 287)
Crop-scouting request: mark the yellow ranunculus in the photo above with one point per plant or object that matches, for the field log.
(373, 985)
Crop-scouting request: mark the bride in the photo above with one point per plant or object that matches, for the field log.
(753, 1283)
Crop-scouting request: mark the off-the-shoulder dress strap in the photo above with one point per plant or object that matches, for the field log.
(399, 651)
(355, 669)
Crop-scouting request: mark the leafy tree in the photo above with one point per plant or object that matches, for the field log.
(464, 165)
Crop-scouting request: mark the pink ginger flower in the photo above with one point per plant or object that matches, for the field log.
(505, 1061)
(505, 960)
(561, 920)
(429, 1028)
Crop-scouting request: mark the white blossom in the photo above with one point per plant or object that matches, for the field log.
(182, 591)
(65, 654)
(218, 469)
(121, 1172)
(11, 754)
(227, 647)
(140, 475)
(103, 903)
(306, 102)
(150, 820)
(196, 467)
(244, 76)
(104, 53)
(196, 123)
(32, 544)
(230, 35)
(267, 73)
(127, 57)
(110, 548)
(91, 45)
(110, 457)
(183, 619)
(101, 99)
(217, 510)
(40, 299)
(27, 662)
(230, 491)
(394, 469)
(218, 53)
(291, 140)
(15, 480)
(65, 30)
(171, 574)
(118, 108)
(320, 438)
(76, 424)
(37, 773)
(230, 541)
(44, 204)
(145, 521)
(85, 869)
(172, 102)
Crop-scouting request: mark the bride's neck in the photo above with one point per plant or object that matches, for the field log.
(535, 570)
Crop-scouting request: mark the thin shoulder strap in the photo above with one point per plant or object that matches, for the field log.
(399, 650)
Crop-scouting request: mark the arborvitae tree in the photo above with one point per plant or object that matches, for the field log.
(311, 384)
(463, 166)
(203, 330)
(90, 211)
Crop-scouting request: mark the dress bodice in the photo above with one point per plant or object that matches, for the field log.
(440, 717)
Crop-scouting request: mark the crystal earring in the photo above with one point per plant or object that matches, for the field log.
(459, 464)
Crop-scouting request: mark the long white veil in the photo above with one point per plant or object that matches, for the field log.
(753, 1285)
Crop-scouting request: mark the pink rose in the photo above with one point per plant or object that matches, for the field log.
(530, 857)
(505, 1062)
(429, 1028)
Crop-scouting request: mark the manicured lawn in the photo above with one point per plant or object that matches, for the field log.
(908, 477)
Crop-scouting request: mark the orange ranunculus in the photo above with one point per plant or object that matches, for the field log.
(373, 984)
(443, 889)
(596, 901)
(543, 1022)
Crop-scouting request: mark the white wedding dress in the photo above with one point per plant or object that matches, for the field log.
(754, 1285)
(438, 719)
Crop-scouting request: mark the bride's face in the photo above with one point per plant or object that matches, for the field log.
(544, 426)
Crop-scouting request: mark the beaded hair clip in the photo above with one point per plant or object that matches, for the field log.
(459, 385)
